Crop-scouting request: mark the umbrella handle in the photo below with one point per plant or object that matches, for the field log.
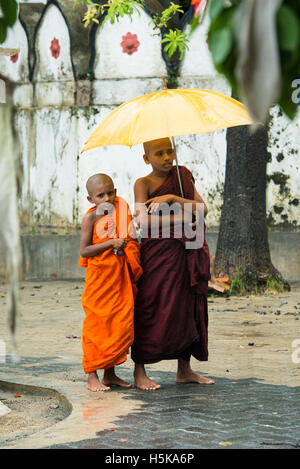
(178, 172)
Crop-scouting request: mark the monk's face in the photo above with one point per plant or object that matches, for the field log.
(103, 193)
(160, 154)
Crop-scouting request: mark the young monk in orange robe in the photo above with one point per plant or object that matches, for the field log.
(112, 257)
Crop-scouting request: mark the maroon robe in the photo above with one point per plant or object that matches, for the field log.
(171, 306)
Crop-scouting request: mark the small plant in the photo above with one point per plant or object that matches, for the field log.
(273, 284)
(163, 20)
(237, 284)
(175, 39)
(119, 8)
(114, 10)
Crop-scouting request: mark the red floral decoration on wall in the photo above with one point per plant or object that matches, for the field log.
(14, 58)
(55, 48)
(130, 43)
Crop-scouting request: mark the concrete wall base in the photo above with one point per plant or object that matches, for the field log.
(53, 257)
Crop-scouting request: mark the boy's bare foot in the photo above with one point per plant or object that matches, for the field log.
(193, 377)
(94, 384)
(142, 381)
(186, 375)
(111, 378)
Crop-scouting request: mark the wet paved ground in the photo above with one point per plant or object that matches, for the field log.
(245, 413)
(254, 360)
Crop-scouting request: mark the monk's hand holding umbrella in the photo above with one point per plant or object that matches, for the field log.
(154, 203)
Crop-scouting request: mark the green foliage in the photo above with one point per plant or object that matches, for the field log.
(275, 285)
(224, 53)
(223, 45)
(237, 284)
(119, 8)
(289, 49)
(175, 39)
(215, 7)
(288, 28)
(9, 12)
(240, 285)
(114, 10)
(163, 20)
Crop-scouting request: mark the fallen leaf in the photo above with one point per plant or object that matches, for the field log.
(17, 395)
(220, 279)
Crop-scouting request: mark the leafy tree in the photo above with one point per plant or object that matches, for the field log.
(223, 45)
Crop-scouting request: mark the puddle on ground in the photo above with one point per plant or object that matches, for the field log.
(246, 412)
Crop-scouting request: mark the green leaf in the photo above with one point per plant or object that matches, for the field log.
(173, 48)
(215, 6)
(3, 31)
(10, 11)
(220, 44)
(288, 28)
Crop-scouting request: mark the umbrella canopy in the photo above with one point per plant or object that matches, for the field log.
(168, 113)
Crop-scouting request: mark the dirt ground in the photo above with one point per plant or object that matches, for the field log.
(29, 413)
(251, 336)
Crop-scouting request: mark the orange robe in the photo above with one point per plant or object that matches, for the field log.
(110, 289)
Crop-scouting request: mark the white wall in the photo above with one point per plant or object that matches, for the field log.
(53, 129)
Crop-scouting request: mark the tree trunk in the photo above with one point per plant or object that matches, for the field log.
(243, 247)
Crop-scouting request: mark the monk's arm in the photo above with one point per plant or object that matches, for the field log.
(187, 204)
(144, 218)
(197, 199)
(87, 249)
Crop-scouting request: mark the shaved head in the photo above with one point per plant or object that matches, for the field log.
(151, 144)
(97, 179)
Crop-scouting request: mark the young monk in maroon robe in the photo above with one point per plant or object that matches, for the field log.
(171, 305)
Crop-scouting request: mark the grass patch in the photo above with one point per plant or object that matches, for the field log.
(239, 286)
(273, 286)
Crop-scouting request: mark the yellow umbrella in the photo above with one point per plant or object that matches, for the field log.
(168, 113)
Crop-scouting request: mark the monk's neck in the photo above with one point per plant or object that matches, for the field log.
(159, 175)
